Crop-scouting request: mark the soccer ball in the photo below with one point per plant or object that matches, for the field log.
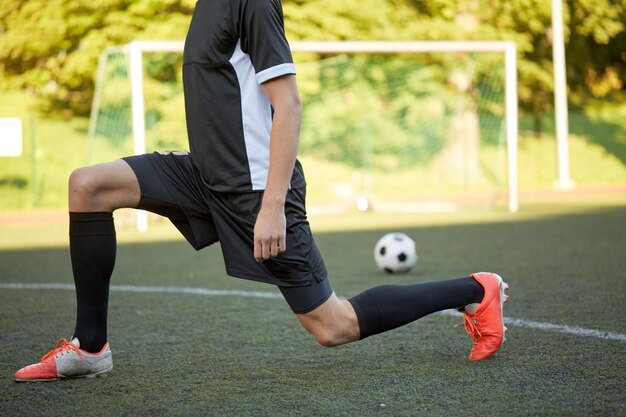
(395, 253)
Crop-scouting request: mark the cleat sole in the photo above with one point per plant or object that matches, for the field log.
(101, 374)
(35, 380)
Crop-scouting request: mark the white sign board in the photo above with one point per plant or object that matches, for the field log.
(10, 136)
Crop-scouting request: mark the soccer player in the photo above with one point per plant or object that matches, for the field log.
(240, 185)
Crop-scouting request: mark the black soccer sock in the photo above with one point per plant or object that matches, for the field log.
(389, 306)
(92, 248)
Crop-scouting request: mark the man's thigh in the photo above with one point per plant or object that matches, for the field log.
(299, 272)
(303, 300)
(171, 187)
(103, 187)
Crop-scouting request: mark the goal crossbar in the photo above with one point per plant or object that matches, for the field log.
(508, 48)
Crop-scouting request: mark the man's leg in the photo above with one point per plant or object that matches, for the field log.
(94, 193)
(386, 307)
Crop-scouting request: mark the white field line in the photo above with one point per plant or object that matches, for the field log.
(559, 328)
(135, 288)
(574, 330)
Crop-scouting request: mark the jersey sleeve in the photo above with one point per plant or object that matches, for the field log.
(263, 38)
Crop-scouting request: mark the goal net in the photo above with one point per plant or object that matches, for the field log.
(387, 126)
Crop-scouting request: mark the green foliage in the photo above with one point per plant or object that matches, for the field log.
(595, 35)
(395, 109)
(51, 47)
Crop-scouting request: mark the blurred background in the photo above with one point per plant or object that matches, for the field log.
(393, 131)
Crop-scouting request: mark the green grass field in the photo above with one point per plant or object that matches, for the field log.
(180, 354)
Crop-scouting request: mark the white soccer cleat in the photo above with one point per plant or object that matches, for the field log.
(67, 360)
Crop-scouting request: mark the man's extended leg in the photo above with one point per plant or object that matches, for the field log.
(94, 193)
(389, 306)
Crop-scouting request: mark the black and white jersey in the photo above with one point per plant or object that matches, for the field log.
(232, 47)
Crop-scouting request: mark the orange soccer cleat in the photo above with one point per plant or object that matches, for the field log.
(486, 324)
(67, 360)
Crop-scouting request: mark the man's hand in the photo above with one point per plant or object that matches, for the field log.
(270, 232)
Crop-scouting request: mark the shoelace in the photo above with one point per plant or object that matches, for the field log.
(63, 345)
(471, 327)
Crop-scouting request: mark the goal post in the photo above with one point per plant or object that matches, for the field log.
(135, 54)
(508, 48)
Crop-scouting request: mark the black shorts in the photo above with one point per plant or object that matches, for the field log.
(172, 187)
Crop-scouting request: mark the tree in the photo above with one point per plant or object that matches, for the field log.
(596, 63)
(51, 47)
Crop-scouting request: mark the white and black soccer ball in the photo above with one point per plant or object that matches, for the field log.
(395, 253)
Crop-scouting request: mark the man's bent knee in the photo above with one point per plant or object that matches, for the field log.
(329, 339)
(82, 186)
(333, 323)
(103, 187)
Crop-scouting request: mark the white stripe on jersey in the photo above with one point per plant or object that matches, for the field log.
(275, 71)
(256, 113)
